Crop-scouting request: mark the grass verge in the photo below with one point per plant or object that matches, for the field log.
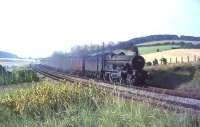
(72, 105)
(185, 76)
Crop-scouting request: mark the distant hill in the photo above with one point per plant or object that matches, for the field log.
(4, 54)
(155, 38)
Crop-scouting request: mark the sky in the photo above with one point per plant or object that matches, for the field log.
(37, 28)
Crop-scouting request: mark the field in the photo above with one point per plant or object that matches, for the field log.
(50, 104)
(153, 49)
(173, 54)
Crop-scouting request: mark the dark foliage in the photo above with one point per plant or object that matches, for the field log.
(17, 76)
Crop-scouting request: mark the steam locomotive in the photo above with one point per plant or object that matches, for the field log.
(120, 65)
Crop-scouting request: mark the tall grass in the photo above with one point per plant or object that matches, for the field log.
(72, 105)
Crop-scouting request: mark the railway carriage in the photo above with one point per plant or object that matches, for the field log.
(93, 65)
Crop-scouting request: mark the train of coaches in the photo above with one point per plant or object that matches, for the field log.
(120, 65)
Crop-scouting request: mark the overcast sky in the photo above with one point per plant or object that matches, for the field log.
(36, 28)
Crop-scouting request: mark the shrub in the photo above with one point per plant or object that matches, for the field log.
(16, 76)
(163, 61)
(155, 62)
(149, 64)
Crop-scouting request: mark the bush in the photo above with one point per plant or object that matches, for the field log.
(16, 76)
(163, 61)
(149, 64)
(155, 62)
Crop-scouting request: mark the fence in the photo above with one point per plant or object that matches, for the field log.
(174, 60)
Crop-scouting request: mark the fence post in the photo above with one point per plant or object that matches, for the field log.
(195, 58)
(188, 59)
(176, 60)
(181, 59)
(170, 60)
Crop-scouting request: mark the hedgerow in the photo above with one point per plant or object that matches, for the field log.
(16, 76)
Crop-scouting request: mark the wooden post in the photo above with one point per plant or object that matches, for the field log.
(98, 60)
(170, 60)
(188, 59)
(176, 60)
(181, 59)
(103, 58)
(195, 58)
(83, 65)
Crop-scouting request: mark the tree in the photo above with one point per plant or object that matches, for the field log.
(163, 61)
(149, 63)
(155, 62)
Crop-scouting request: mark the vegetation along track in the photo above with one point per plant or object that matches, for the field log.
(168, 100)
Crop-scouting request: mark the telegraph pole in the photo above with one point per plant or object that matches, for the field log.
(98, 60)
(102, 67)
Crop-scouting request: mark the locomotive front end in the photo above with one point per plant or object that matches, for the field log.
(139, 75)
(125, 66)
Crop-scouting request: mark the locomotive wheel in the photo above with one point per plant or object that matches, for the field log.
(121, 81)
(138, 62)
(106, 77)
(98, 76)
(130, 80)
(110, 79)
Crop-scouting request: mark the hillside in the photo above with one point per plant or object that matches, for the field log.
(157, 39)
(4, 54)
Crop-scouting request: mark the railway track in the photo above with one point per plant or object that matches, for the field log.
(164, 98)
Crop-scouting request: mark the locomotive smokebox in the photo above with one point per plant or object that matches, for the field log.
(138, 63)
